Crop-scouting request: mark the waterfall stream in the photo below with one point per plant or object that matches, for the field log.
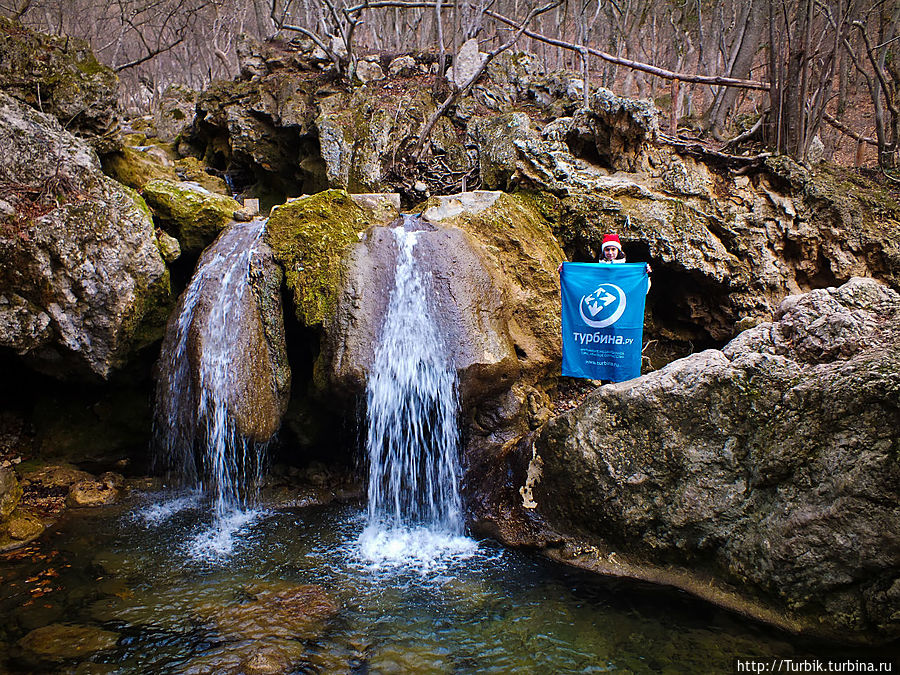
(414, 507)
(195, 436)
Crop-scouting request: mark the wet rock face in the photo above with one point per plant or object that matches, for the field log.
(257, 380)
(310, 237)
(60, 76)
(467, 308)
(82, 282)
(770, 466)
(488, 260)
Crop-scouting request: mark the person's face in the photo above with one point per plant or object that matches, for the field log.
(609, 253)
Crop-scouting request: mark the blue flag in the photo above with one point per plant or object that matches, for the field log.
(603, 319)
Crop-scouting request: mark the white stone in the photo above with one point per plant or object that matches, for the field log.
(402, 66)
(467, 62)
(369, 71)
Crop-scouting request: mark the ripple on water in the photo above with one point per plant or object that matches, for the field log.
(470, 607)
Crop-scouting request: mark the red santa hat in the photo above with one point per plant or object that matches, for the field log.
(610, 240)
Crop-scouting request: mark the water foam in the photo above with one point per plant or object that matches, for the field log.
(157, 513)
(218, 542)
(419, 548)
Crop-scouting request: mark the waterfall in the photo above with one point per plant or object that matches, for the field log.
(412, 439)
(195, 436)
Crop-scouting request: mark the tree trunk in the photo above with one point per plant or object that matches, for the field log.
(744, 49)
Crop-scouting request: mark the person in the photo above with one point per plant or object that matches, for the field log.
(611, 249)
(611, 252)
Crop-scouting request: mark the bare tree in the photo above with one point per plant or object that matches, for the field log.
(883, 81)
(740, 43)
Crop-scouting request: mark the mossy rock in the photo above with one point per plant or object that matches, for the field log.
(310, 237)
(59, 75)
(21, 528)
(10, 492)
(195, 214)
(135, 168)
(24, 526)
(192, 169)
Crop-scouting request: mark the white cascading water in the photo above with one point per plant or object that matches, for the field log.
(195, 437)
(415, 509)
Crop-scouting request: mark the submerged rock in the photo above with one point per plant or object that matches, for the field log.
(59, 642)
(763, 476)
(288, 612)
(250, 657)
(82, 283)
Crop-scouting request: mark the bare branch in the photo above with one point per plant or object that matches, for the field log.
(870, 52)
(843, 128)
(715, 80)
(454, 96)
(151, 54)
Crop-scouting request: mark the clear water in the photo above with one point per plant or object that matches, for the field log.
(195, 436)
(133, 570)
(414, 505)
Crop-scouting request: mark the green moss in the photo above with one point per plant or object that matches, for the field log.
(548, 205)
(153, 305)
(196, 215)
(310, 237)
(89, 65)
(139, 202)
(135, 169)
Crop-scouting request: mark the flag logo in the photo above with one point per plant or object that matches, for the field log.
(603, 307)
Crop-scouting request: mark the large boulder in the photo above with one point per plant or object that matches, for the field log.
(60, 76)
(763, 477)
(82, 282)
(225, 342)
(176, 112)
(310, 238)
(489, 263)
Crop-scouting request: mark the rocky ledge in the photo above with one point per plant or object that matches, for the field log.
(763, 477)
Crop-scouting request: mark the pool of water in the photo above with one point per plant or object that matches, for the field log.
(156, 589)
